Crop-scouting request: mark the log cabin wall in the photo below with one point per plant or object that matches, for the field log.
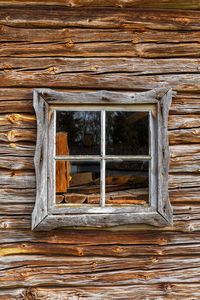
(129, 45)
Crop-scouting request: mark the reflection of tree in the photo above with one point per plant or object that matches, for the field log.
(79, 124)
(126, 132)
(121, 131)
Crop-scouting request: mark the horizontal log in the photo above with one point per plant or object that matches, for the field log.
(16, 163)
(166, 4)
(185, 158)
(100, 48)
(16, 135)
(191, 195)
(183, 121)
(16, 209)
(85, 35)
(60, 65)
(16, 107)
(34, 276)
(185, 104)
(78, 238)
(15, 94)
(102, 267)
(8, 121)
(159, 291)
(117, 250)
(16, 196)
(184, 136)
(100, 18)
(18, 222)
(180, 181)
(13, 294)
(17, 179)
(19, 149)
(83, 264)
(179, 82)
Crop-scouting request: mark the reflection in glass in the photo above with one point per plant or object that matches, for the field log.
(81, 132)
(127, 182)
(77, 182)
(127, 133)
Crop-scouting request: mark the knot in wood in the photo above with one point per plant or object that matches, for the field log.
(13, 118)
(11, 135)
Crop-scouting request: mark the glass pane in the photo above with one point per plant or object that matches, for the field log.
(77, 182)
(78, 132)
(127, 182)
(127, 133)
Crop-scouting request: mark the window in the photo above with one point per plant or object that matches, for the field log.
(101, 159)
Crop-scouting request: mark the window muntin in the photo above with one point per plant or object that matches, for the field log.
(119, 174)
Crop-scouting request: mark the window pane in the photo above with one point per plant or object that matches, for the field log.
(78, 132)
(127, 182)
(77, 182)
(127, 133)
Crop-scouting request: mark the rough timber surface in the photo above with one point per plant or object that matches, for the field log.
(127, 46)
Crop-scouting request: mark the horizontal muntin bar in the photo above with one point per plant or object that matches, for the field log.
(106, 157)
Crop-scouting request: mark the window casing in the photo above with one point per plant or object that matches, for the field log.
(47, 213)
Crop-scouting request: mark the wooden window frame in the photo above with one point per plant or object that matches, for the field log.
(47, 214)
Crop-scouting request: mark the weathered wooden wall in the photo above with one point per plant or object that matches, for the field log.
(84, 49)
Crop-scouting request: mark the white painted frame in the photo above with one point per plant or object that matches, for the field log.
(47, 214)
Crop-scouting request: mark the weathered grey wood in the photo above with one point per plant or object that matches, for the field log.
(11, 196)
(179, 180)
(185, 158)
(183, 121)
(16, 163)
(40, 160)
(182, 195)
(101, 220)
(102, 97)
(8, 209)
(164, 207)
(84, 209)
(161, 97)
(185, 104)
(17, 149)
(161, 291)
(25, 66)
(179, 82)
(184, 136)
(17, 179)
(104, 278)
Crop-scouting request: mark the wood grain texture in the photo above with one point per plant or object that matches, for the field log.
(183, 4)
(62, 17)
(85, 49)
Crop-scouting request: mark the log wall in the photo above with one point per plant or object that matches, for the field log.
(112, 48)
